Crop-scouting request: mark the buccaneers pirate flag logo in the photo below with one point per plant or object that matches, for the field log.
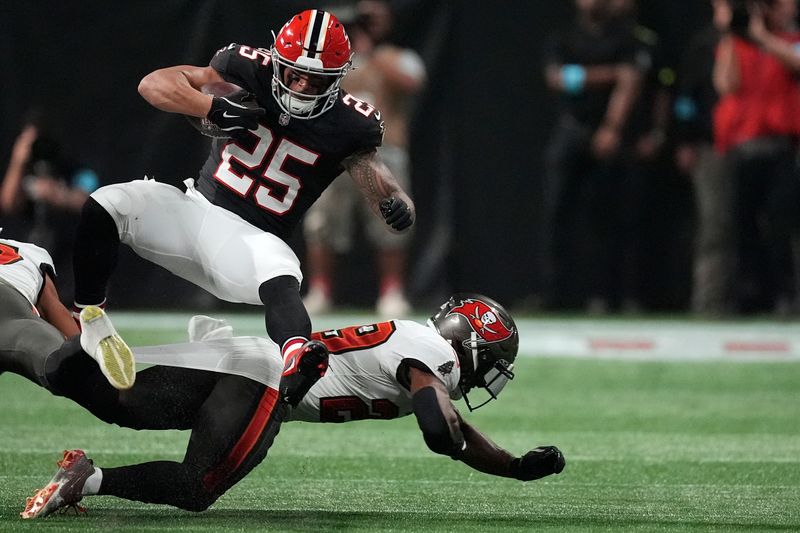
(483, 320)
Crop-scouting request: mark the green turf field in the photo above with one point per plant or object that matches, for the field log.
(650, 446)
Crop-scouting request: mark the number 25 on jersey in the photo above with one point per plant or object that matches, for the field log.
(265, 196)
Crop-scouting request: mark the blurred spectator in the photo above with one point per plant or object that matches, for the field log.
(387, 77)
(695, 156)
(756, 125)
(645, 156)
(44, 189)
(593, 67)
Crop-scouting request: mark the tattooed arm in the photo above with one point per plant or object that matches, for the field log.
(376, 182)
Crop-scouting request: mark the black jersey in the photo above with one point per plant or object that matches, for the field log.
(272, 175)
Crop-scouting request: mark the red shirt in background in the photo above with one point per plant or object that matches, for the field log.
(767, 102)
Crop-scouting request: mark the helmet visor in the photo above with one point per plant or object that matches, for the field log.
(498, 376)
(495, 380)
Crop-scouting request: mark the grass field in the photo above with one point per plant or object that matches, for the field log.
(650, 446)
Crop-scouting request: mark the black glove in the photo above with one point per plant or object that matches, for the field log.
(537, 463)
(231, 113)
(396, 213)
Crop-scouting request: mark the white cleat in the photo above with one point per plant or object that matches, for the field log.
(101, 341)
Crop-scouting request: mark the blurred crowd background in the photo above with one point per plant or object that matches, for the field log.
(592, 156)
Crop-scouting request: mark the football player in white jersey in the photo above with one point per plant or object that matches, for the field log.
(38, 333)
(381, 371)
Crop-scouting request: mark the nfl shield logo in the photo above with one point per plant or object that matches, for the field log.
(283, 120)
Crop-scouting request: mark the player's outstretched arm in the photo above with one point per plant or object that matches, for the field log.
(485, 456)
(54, 312)
(447, 433)
(177, 89)
(380, 189)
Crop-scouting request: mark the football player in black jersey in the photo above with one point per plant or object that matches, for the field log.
(227, 234)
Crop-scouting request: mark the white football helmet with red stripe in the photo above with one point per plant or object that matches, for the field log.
(315, 43)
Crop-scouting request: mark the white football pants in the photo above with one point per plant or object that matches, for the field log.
(205, 244)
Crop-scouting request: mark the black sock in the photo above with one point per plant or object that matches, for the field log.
(95, 253)
(284, 313)
(164, 482)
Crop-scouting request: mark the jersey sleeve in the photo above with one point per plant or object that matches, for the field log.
(39, 257)
(243, 65)
(424, 349)
(374, 130)
(46, 266)
(366, 130)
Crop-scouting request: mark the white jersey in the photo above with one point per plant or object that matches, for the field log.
(362, 380)
(23, 265)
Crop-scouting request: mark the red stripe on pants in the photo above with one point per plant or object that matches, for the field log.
(245, 443)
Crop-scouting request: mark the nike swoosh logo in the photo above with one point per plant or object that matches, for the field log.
(226, 115)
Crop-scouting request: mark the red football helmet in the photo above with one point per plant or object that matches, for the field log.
(312, 42)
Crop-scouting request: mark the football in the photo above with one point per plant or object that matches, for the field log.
(219, 88)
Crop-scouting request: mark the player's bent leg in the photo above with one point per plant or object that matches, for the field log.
(161, 482)
(95, 254)
(100, 340)
(284, 314)
(168, 482)
(163, 398)
(232, 433)
(289, 326)
(159, 223)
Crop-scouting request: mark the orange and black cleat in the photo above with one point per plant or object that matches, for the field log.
(64, 491)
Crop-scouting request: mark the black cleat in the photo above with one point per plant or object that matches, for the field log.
(301, 370)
